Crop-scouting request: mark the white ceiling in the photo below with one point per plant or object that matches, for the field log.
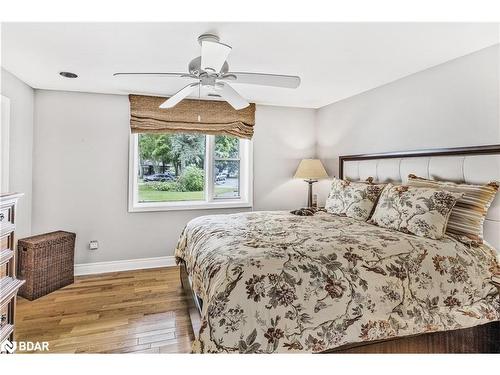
(334, 60)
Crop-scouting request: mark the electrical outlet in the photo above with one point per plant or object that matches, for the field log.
(93, 245)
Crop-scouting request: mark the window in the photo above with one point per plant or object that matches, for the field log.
(189, 171)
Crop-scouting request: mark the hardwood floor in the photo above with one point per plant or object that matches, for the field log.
(141, 311)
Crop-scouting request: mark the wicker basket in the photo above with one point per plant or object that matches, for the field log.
(46, 262)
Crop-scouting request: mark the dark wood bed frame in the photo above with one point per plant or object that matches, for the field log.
(480, 339)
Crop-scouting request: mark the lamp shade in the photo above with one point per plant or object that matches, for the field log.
(311, 169)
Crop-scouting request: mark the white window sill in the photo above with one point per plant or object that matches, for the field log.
(181, 206)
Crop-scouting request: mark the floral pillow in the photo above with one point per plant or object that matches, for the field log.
(420, 211)
(352, 199)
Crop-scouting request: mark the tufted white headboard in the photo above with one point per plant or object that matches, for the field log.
(475, 165)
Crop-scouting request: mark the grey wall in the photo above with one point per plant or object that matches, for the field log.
(283, 136)
(20, 146)
(80, 173)
(453, 104)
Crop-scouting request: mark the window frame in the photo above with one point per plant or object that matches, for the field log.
(215, 159)
(210, 202)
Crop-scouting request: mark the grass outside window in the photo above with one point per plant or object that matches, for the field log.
(147, 194)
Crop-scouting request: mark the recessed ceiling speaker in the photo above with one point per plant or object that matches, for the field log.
(68, 75)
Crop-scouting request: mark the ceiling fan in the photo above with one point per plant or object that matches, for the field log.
(212, 70)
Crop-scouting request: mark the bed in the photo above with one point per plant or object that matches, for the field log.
(272, 282)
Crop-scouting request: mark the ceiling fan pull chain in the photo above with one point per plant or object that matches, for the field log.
(199, 104)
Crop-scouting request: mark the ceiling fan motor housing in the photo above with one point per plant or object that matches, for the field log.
(194, 68)
(208, 80)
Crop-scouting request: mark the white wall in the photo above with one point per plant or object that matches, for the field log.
(20, 146)
(80, 174)
(453, 104)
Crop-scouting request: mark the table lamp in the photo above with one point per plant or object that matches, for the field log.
(310, 170)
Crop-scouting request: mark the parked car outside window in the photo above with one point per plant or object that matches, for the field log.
(167, 176)
(220, 178)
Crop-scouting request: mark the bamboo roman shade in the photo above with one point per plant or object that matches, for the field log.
(216, 117)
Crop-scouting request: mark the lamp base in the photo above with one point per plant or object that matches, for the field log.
(310, 192)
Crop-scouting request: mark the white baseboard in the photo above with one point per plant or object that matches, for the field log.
(123, 265)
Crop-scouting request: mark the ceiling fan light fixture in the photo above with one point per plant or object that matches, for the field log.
(213, 55)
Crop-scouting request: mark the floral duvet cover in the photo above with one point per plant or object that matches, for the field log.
(274, 282)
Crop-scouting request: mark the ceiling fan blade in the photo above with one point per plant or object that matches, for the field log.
(179, 95)
(153, 75)
(231, 96)
(276, 80)
(213, 55)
